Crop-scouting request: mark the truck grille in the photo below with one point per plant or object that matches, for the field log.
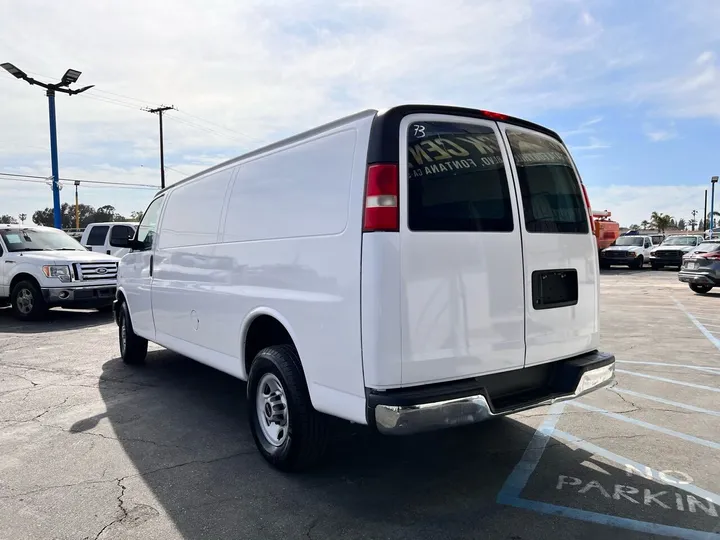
(670, 253)
(615, 254)
(95, 271)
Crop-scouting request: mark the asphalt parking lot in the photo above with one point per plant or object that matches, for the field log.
(93, 449)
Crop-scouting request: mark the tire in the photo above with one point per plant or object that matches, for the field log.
(297, 440)
(700, 289)
(656, 266)
(27, 301)
(133, 348)
(638, 263)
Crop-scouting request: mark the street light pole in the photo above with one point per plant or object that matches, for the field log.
(713, 181)
(57, 217)
(71, 76)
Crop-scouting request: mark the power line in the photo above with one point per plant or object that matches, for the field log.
(43, 179)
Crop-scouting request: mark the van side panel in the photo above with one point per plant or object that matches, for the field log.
(185, 266)
(381, 310)
(291, 244)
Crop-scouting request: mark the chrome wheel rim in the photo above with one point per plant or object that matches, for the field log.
(272, 409)
(25, 301)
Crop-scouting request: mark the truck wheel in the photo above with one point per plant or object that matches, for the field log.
(638, 263)
(27, 301)
(700, 289)
(656, 266)
(133, 348)
(289, 433)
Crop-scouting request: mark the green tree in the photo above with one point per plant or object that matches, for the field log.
(136, 215)
(644, 224)
(88, 214)
(8, 220)
(634, 227)
(661, 221)
(681, 224)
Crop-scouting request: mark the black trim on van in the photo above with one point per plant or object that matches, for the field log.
(385, 131)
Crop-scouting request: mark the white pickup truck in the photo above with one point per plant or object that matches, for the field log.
(42, 267)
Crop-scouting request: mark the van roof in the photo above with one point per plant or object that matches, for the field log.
(385, 131)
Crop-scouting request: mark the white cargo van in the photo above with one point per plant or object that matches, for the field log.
(411, 269)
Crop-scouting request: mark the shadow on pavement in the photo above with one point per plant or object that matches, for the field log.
(203, 469)
(55, 321)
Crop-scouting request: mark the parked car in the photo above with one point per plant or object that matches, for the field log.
(671, 251)
(632, 251)
(42, 267)
(412, 269)
(701, 267)
(96, 236)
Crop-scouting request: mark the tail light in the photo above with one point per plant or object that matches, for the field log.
(381, 198)
(713, 255)
(494, 115)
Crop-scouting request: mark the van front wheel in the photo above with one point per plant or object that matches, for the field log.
(133, 348)
(289, 433)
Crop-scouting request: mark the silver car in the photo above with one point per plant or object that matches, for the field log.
(701, 267)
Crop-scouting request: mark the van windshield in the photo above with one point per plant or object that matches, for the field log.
(551, 194)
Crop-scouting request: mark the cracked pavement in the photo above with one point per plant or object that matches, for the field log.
(95, 450)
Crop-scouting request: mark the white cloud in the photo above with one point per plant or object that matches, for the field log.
(633, 204)
(660, 135)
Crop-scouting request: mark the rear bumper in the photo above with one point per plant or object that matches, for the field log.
(79, 297)
(700, 278)
(414, 410)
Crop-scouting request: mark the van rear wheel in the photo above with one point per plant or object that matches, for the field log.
(289, 433)
(133, 348)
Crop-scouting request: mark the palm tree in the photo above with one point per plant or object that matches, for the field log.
(660, 221)
(644, 224)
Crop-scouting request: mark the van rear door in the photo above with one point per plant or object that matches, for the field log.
(462, 297)
(560, 256)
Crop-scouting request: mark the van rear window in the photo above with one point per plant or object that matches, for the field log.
(456, 179)
(551, 194)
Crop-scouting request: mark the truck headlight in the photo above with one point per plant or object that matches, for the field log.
(60, 272)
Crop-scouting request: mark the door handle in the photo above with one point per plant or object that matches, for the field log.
(151, 265)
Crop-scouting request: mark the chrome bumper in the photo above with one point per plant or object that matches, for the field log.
(409, 419)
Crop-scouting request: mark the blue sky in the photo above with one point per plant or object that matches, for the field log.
(633, 87)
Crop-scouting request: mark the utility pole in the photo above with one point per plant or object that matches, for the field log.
(71, 76)
(713, 181)
(705, 214)
(159, 111)
(692, 223)
(77, 205)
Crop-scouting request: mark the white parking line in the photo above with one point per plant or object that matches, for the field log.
(706, 369)
(647, 425)
(671, 381)
(666, 401)
(715, 341)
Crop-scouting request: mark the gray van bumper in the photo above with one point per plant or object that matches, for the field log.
(414, 410)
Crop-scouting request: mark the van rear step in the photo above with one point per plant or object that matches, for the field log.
(411, 410)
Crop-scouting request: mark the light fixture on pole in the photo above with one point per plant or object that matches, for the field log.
(71, 76)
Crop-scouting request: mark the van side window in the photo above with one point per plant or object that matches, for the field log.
(456, 179)
(551, 195)
(148, 225)
(97, 235)
(121, 232)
